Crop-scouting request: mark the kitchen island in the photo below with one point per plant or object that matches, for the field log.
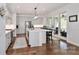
(37, 37)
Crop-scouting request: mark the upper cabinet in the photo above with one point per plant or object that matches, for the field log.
(8, 17)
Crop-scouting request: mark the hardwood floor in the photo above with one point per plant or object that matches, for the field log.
(57, 47)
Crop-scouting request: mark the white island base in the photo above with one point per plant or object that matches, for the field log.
(37, 37)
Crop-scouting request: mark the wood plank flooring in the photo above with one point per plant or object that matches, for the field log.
(56, 47)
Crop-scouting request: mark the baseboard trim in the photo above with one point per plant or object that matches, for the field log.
(72, 43)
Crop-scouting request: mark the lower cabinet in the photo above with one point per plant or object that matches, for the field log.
(8, 39)
(37, 38)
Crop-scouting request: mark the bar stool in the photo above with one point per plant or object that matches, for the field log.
(48, 36)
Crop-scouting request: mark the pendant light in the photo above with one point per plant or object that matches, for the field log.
(35, 16)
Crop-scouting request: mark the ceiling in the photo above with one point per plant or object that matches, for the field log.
(28, 8)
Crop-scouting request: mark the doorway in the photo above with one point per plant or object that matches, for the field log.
(63, 25)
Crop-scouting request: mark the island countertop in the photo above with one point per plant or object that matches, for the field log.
(37, 29)
(37, 36)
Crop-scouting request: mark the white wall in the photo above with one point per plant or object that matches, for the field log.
(39, 21)
(73, 27)
(21, 22)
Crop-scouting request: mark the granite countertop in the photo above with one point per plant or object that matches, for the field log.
(7, 31)
(36, 29)
(9, 28)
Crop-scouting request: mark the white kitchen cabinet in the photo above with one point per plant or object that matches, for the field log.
(37, 37)
(34, 38)
(8, 39)
(43, 37)
(2, 36)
